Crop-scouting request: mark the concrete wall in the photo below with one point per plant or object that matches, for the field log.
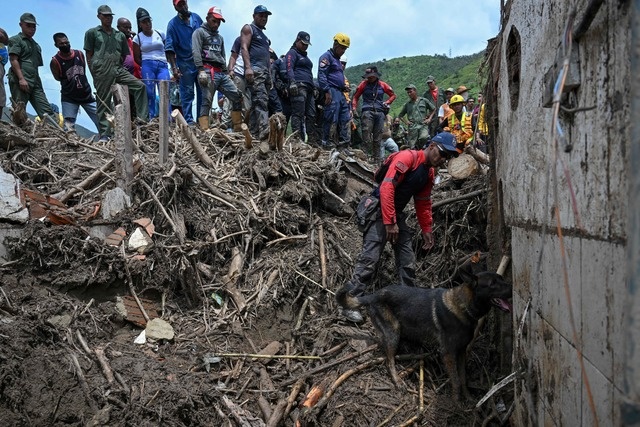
(585, 271)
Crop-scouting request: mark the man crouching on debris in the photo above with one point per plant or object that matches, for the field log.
(410, 174)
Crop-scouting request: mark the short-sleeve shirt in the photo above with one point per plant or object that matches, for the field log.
(108, 49)
(151, 47)
(29, 56)
(179, 36)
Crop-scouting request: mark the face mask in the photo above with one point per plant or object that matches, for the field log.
(65, 49)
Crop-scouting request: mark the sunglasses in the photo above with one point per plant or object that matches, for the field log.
(443, 153)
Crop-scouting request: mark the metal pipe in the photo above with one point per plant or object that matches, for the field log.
(587, 19)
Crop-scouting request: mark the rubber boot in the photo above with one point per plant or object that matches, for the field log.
(236, 120)
(203, 121)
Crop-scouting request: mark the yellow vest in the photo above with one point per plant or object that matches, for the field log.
(461, 129)
(347, 92)
(482, 123)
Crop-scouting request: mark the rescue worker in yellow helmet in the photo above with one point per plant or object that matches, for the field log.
(459, 123)
(332, 84)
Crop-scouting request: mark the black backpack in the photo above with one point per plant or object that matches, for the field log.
(381, 172)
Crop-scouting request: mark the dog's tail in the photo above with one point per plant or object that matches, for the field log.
(347, 300)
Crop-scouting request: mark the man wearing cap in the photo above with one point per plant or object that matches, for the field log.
(257, 70)
(463, 91)
(410, 175)
(25, 56)
(180, 56)
(459, 122)
(68, 66)
(106, 48)
(374, 108)
(445, 111)
(299, 70)
(417, 111)
(208, 55)
(437, 97)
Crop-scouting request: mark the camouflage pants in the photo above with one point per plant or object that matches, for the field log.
(374, 240)
(259, 115)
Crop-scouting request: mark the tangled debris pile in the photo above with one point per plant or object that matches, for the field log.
(240, 261)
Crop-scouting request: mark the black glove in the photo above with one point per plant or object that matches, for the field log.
(293, 89)
(203, 78)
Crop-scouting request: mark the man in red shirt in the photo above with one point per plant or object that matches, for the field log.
(410, 175)
(374, 108)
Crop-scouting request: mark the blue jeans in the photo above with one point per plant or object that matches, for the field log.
(337, 113)
(152, 71)
(222, 82)
(187, 93)
(70, 113)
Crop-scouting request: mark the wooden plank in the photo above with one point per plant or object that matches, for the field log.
(164, 121)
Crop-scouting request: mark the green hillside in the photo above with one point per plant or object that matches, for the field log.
(399, 72)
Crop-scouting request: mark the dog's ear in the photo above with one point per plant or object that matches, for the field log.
(467, 275)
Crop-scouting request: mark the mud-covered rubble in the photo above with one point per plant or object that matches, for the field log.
(239, 258)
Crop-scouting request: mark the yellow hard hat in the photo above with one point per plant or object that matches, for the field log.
(456, 99)
(342, 39)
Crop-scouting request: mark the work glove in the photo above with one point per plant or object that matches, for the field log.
(203, 78)
(293, 89)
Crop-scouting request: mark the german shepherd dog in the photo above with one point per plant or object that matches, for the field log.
(419, 314)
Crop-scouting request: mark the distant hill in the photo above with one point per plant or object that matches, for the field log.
(399, 72)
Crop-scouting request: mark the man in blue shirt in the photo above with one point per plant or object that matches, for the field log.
(332, 84)
(180, 56)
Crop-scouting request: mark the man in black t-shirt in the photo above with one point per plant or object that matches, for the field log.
(68, 66)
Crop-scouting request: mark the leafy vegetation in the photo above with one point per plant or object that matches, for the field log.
(400, 72)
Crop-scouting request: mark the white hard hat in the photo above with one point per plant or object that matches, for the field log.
(343, 58)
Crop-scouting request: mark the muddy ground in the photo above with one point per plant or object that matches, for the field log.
(68, 357)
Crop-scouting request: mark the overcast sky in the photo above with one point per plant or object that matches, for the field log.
(378, 28)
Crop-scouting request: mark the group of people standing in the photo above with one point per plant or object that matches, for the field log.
(192, 55)
(438, 110)
(108, 55)
(254, 82)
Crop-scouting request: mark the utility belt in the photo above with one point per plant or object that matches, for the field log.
(212, 69)
(376, 110)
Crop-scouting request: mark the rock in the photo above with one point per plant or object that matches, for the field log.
(114, 201)
(142, 338)
(140, 241)
(10, 206)
(62, 321)
(158, 329)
